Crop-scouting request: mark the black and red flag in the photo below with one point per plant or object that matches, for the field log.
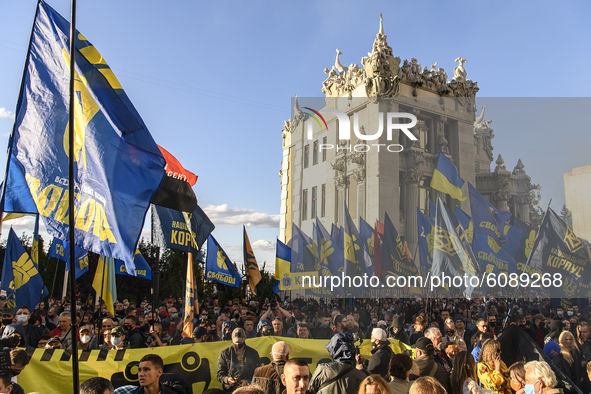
(175, 191)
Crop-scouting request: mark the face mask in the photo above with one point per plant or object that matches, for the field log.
(216, 312)
(14, 373)
(85, 339)
(542, 325)
(570, 313)
(238, 346)
(116, 341)
(560, 313)
(6, 322)
(175, 315)
(22, 319)
(492, 324)
(450, 333)
(530, 389)
(374, 345)
(66, 309)
(151, 321)
(128, 327)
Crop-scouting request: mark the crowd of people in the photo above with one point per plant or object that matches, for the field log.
(456, 343)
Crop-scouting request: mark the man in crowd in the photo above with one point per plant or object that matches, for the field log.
(303, 331)
(278, 328)
(381, 354)
(268, 377)
(237, 363)
(438, 355)
(64, 330)
(323, 331)
(134, 336)
(341, 348)
(540, 377)
(32, 333)
(424, 351)
(296, 376)
(96, 386)
(249, 328)
(149, 372)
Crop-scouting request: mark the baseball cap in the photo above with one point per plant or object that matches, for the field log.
(53, 340)
(118, 331)
(7, 311)
(238, 336)
(424, 344)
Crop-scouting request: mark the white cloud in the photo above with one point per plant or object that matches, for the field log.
(221, 215)
(4, 113)
(263, 244)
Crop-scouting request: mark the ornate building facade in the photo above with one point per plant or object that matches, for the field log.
(378, 172)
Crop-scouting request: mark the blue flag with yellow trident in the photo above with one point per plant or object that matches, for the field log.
(446, 178)
(61, 250)
(142, 268)
(20, 276)
(218, 265)
(118, 166)
(425, 227)
(452, 254)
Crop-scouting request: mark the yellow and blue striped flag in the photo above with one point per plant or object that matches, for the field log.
(104, 282)
(282, 268)
(446, 178)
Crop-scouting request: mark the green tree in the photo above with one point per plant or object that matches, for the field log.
(567, 216)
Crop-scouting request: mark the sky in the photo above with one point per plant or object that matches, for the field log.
(213, 82)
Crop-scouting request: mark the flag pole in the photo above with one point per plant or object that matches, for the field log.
(71, 221)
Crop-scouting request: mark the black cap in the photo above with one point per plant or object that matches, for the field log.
(425, 345)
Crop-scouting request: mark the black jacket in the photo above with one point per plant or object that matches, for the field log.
(425, 365)
(379, 363)
(230, 367)
(348, 383)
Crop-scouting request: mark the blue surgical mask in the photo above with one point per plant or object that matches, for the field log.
(570, 313)
(530, 388)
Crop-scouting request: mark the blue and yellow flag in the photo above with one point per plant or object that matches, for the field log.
(357, 260)
(489, 226)
(425, 227)
(142, 268)
(282, 268)
(218, 265)
(394, 258)
(466, 222)
(559, 254)
(61, 250)
(304, 252)
(117, 164)
(367, 237)
(105, 283)
(336, 234)
(20, 276)
(452, 254)
(446, 178)
(528, 237)
(181, 230)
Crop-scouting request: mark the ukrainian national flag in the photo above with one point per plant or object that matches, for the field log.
(104, 282)
(446, 178)
(282, 268)
(20, 276)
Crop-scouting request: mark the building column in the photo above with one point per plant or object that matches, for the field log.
(410, 209)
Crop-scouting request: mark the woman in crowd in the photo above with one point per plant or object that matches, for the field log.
(491, 370)
(463, 376)
(400, 368)
(517, 375)
(569, 360)
(374, 384)
(565, 325)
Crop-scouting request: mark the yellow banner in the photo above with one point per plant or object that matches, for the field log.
(50, 371)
